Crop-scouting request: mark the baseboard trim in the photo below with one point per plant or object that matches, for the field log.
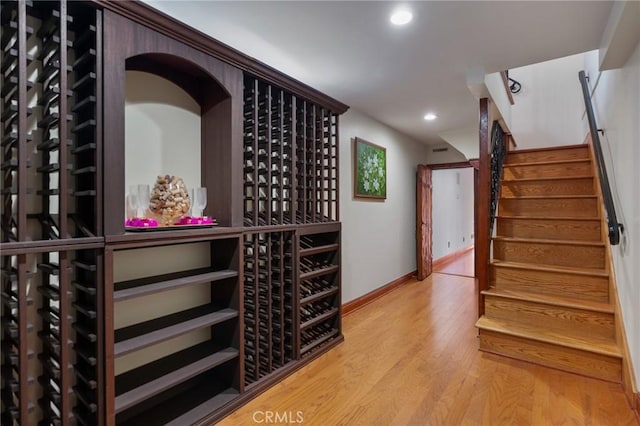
(365, 299)
(441, 261)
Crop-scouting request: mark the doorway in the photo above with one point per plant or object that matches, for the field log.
(446, 219)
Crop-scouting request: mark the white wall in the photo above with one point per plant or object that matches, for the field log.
(464, 140)
(162, 131)
(378, 238)
(452, 212)
(451, 155)
(499, 98)
(548, 109)
(617, 108)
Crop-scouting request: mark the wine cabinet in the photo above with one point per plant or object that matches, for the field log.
(103, 326)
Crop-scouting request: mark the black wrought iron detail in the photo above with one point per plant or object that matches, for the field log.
(498, 154)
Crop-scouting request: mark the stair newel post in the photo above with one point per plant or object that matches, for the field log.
(483, 205)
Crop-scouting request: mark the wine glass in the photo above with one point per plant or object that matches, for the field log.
(144, 195)
(132, 200)
(198, 201)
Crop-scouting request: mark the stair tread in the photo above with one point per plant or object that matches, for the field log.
(545, 197)
(529, 217)
(551, 268)
(546, 241)
(591, 344)
(558, 178)
(549, 148)
(548, 162)
(554, 300)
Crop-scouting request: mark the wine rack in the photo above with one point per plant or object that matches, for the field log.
(198, 378)
(271, 299)
(268, 152)
(49, 341)
(52, 249)
(15, 114)
(290, 158)
(49, 135)
(316, 164)
(268, 303)
(290, 186)
(319, 287)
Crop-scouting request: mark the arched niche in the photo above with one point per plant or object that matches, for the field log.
(162, 131)
(200, 85)
(215, 86)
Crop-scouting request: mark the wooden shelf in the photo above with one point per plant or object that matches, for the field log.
(85, 58)
(318, 257)
(88, 78)
(319, 272)
(138, 385)
(144, 286)
(319, 341)
(168, 237)
(322, 317)
(148, 333)
(89, 101)
(205, 408)
(88, 124)
(320, 249)
(319, 295)
(201, 397)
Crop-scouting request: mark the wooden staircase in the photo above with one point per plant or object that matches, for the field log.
(548, 300)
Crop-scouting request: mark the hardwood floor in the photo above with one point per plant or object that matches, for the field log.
(461, 265)
(411, 358)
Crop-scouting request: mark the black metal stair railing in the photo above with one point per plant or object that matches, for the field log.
(498, 155)
(613, 226)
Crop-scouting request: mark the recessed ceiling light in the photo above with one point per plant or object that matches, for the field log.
(401, 17)
(430, 116)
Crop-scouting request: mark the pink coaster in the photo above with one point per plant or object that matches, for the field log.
(191, 220)
(141, 222)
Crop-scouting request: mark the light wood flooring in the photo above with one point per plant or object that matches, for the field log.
(411, 358)
(461, 265)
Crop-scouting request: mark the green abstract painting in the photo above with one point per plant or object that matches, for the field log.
(370, 170)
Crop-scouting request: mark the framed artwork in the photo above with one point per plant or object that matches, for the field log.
(370, 170)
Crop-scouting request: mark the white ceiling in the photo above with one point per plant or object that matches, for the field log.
(350, 51)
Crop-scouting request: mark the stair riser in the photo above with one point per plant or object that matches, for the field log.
(576, 286)
(548, 170)
(561, 207)
(549, 254)
(581, 153)
(578, 186)
(566, 359)
(572, 321)
(577, 230)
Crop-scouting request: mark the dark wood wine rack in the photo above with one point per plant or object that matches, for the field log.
(316, 164)
(186, 385)
(50, 141)
(269, 308)
(52, 249)
(290, 158)
(292, 264)
(269, 154)
(319, 287)
(50, 335)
